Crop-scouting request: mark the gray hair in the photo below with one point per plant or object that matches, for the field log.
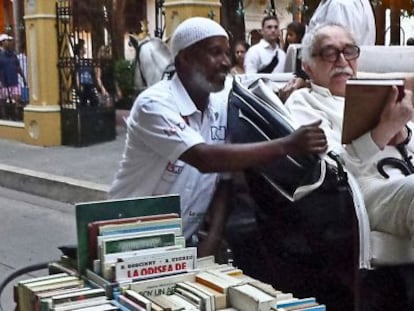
(313, 37)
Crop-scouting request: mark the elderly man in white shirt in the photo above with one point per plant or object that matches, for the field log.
(266, 56)
(330, 58)
(355, 15)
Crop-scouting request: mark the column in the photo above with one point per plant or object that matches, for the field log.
(177, 11)
(42, 116)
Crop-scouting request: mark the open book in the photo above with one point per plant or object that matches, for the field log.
(365, 99)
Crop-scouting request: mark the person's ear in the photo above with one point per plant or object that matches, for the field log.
(306, 68)
(187, 57)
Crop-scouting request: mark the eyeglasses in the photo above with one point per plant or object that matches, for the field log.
(331, 53)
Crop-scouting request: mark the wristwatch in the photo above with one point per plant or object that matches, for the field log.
(409, 134)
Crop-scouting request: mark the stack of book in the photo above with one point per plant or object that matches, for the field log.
(132, 256)
(57, 292)
(139, 247)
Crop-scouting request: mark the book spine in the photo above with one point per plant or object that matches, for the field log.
(161, 285)
(175, 227)
(155, 265)
(137, 243)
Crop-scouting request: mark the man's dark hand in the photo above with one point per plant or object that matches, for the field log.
(307, 139)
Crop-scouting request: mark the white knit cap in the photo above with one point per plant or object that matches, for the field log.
(193, 30)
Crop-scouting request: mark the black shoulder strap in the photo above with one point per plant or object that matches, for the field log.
(269, 68)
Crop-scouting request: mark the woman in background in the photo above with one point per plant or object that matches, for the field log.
(239, 51)
(105, 77)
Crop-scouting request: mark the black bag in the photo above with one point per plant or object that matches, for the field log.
(272, 65)
(306, 243)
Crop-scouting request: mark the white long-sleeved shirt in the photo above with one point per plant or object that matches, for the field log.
(356, 15)
(389, 202)
(261, 54)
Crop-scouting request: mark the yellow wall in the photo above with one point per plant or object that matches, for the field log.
(42, 120)
(177, 11)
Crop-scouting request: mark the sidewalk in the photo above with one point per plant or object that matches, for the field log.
(63, 173)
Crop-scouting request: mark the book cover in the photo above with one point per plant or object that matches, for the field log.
(207, 299)
(296, 304)
(18, 288)
(162, 285)
(216, 282)
(78, 295)
(110, 260)
(44, 299)
(156, 264)
(103, 307)
(27, 299)
(166, 303)
(220, 299)
(227, 270)
(94, 228)
(365, 100)
(249, 298)
(183, 303)
(149, 225)
(117, 209)
(204, 263)
(191, 298)
(269, 289)
(139, 299)
(131, 242)
(79, 304)
(130, 304)
(315, 308)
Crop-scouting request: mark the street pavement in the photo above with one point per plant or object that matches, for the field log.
(38, 189)
(64, 173)
(31, 230)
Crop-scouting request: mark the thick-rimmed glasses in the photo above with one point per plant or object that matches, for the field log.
(331, 54)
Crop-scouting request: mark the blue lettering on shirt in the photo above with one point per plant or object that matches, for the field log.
(218, 132)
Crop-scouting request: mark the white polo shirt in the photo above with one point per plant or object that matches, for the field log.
(162, 125)
(261, 54)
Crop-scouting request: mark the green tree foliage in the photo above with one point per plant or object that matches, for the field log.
(124, 76)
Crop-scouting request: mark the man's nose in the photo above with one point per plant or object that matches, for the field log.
(341, 59)
(226, 60)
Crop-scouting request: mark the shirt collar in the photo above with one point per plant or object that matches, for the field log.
(184, 102)
(323, 91)
(266, 44)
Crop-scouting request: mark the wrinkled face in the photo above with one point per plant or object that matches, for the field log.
(210, 63)
(334, 60)
(239, 52)
(292, 37)
(271, 31)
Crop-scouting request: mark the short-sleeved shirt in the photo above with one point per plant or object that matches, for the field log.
(9, 65)
(163, 124)
(261, 54)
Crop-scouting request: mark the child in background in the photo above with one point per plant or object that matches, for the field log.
(294, 34)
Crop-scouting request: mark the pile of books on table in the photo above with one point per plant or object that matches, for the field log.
(132, 256)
